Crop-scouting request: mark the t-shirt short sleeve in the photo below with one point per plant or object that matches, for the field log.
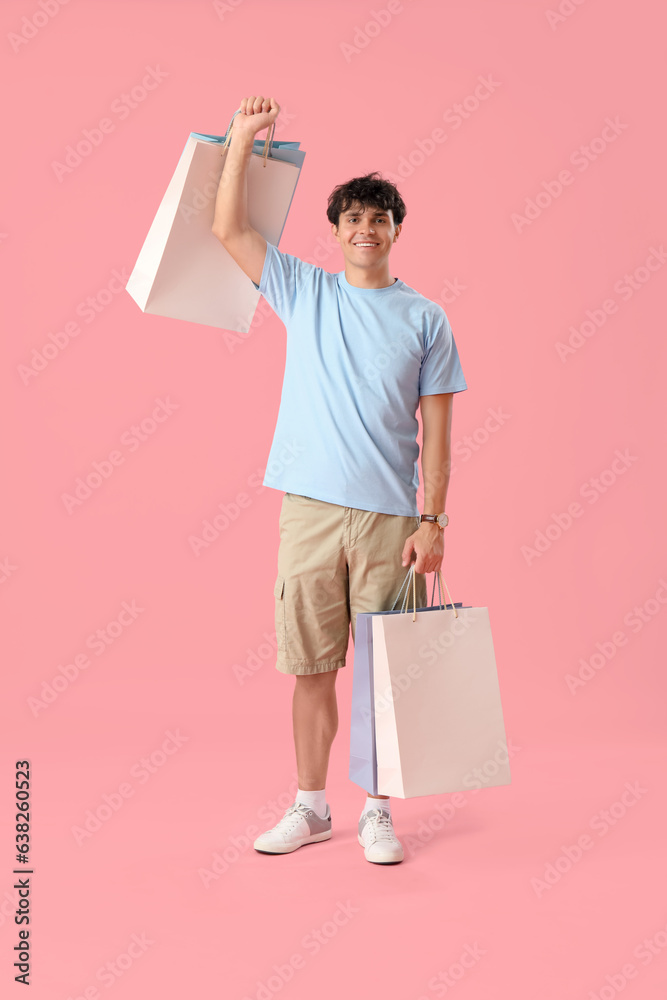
(282, 276)
(441, 367)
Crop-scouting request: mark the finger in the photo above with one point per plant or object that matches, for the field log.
(257, 106)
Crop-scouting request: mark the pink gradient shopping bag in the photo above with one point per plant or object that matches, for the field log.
(426, 710)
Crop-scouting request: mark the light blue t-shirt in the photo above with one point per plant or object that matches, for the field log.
(357, 361)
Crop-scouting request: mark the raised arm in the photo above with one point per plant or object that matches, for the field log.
(230, 222)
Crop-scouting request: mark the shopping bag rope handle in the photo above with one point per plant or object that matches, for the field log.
(267, 141)
(441, 580)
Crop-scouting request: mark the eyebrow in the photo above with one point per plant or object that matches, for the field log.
(379, 212)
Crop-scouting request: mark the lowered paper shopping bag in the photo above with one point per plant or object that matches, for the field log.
(363, 758)
(183, 271)
(437, 717)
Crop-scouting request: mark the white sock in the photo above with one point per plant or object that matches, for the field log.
(314, 800)
(376, 804)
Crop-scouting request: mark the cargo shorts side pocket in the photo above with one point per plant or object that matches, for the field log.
(279, 594)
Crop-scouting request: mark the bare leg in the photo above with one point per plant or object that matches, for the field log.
(315, 722)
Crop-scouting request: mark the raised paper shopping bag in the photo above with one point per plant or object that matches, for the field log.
(183, 271)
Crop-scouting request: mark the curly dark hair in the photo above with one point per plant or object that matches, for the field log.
(371, 190)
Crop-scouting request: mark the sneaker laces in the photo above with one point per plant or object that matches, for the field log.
(380, 822)
(296, 812)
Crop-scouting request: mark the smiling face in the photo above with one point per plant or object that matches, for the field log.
(367, 236)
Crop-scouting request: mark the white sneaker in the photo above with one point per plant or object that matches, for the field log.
(377, 837)
(300, 825)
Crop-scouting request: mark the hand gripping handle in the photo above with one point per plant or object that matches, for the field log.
(267, 142)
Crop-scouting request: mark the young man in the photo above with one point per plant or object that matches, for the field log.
(363, 350)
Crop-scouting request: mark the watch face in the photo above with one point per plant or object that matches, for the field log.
(443, 520)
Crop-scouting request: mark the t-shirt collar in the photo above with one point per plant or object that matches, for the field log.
(342, 280)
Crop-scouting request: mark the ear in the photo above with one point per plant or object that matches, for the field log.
(334, 231)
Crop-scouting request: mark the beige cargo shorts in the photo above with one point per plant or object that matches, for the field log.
(334, 562)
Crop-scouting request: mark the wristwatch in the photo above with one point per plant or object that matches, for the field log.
(442, 520)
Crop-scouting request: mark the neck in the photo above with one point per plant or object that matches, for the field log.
(364, 277)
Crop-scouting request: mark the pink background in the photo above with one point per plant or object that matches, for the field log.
(467, 882)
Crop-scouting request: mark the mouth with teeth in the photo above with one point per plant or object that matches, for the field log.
(367, 244)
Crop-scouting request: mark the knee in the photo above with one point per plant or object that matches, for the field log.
(319, 689)
(317, 683)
